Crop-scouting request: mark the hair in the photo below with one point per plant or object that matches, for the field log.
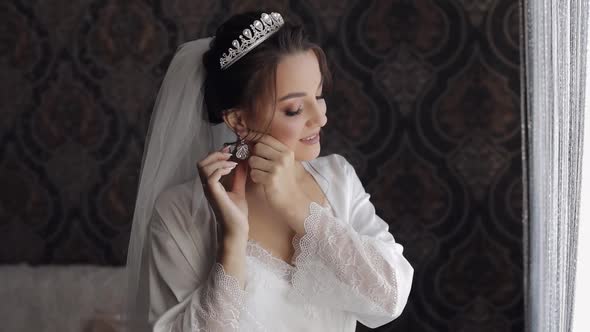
(250, 82)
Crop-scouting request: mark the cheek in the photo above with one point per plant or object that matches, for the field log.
(288, 131)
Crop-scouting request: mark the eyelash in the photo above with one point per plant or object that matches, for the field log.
(291, 113)
(300, 108)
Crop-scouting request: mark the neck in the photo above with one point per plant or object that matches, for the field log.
(257, 190)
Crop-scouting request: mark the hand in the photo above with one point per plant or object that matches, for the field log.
(229, 207)
(273, 165)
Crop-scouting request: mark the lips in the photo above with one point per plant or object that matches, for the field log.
(310, 137)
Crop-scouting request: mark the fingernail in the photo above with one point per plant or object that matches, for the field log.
(233, 164)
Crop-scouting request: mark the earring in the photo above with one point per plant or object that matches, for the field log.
(239, 149)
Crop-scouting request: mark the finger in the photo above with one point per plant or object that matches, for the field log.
(260, 177)
(212, 158)
(209, 169)
(256, 162)
(213, 179)
(266, 151)
(271, 141)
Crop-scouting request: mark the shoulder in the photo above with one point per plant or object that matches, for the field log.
(341, 185)
(334, 164)
(174, 203)
(334, 174)
(333, 160)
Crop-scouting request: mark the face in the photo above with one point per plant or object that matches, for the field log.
(300, 108)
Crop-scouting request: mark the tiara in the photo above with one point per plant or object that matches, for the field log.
(259, 31)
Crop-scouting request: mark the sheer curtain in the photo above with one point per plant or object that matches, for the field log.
(555, 55)
(581, 320)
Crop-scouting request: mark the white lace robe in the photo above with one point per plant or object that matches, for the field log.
(346, 267)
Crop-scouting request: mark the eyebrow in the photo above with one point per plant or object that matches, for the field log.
(298, 94)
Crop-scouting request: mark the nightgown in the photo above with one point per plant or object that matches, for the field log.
(346, 267)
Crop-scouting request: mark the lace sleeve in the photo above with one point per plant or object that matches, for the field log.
(354, 266)
(179, 301)
(218, 305)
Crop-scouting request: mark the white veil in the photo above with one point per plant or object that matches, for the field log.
(179, 135)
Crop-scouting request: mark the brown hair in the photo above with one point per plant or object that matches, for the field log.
(250, 82)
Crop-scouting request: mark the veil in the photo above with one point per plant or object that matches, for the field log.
(179, 135)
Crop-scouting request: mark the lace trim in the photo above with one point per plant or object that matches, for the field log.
(229, 283)
(306, 246)
(220, 303)
(344, 265)
(281, 268)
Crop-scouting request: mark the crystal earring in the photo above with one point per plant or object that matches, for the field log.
(239, 149)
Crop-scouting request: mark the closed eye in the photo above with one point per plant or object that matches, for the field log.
(291, 113)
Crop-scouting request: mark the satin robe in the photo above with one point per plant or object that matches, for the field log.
(346, 267)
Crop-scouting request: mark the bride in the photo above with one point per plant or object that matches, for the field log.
(261, 234)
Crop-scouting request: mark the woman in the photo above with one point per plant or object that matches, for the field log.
(284, 240)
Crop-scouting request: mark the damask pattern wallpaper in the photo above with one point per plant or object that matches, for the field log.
(425, 106)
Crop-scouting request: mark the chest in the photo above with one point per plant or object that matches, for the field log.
(269, 231)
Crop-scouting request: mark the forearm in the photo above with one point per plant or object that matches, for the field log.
(232, 256)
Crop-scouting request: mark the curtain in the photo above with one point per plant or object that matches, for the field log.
(554, 71)
(581, 319)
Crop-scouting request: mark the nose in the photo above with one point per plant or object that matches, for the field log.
(319, 117)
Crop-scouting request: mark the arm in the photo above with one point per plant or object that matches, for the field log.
(354, 266)
(213, 303)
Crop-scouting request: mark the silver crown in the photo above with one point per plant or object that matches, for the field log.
(259, 31)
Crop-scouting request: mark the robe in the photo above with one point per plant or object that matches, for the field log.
(347, 266)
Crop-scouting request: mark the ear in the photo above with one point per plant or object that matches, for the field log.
(236, 119)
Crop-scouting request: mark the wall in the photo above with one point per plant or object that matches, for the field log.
(425, 105)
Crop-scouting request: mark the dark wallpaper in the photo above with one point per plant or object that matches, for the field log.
(425, 105)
